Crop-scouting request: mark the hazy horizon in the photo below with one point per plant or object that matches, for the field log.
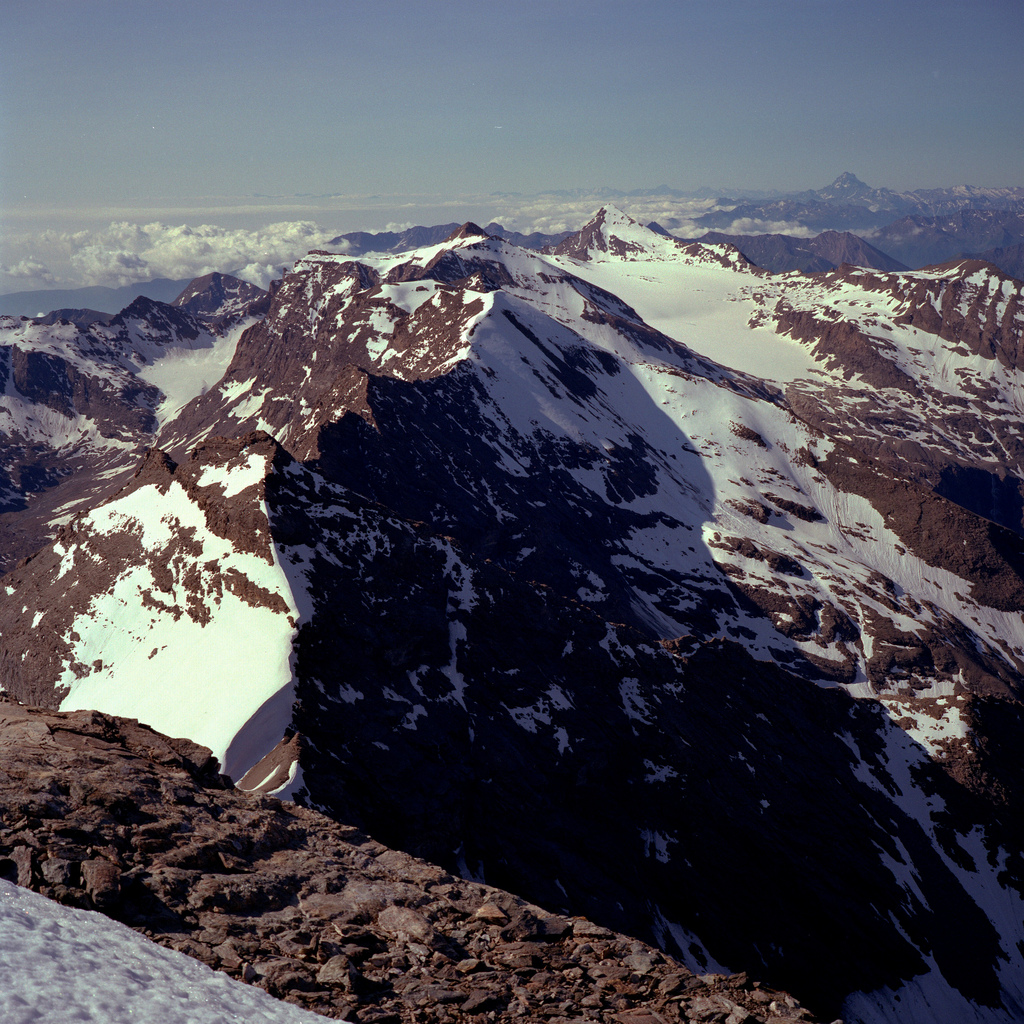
(327, 117)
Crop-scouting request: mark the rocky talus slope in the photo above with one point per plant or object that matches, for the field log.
(102, 813)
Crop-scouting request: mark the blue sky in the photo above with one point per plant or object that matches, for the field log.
(123, 109)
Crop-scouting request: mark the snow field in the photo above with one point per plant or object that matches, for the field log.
(183, 373)
(225, 682)
(65, 966)
(705, 307)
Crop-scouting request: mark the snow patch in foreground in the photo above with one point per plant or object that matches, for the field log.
(61, 964)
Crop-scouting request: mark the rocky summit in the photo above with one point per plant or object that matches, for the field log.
(102, 813)
(623, 575)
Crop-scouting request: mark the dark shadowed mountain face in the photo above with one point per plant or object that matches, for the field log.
(440, 697)
(632, 578)
(826, 251)
(309, 909)
(925, 241)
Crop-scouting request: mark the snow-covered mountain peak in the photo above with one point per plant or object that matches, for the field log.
(610, 233)
(612, 218)
(613, 238)
(410, 317)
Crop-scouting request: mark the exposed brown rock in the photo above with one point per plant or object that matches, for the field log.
(841, 344)
(183, 586)
(978, 316)
(101, 813)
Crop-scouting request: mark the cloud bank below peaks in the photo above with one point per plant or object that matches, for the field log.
(124, 253)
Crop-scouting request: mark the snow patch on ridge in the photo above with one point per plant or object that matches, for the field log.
(232, 480)
(208, 663)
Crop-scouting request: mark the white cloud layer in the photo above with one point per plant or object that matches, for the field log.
(551, 214)
(30, 270)
(753, 226)
(96, 264)
(125, 251)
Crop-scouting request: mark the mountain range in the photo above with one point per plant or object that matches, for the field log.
(626, 576)
(95, 297)
(849, 190)
(895, 230)
(921, 240)
(826, 251)
(846, 191)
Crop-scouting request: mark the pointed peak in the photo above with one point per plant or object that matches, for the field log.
(610, 214)
(197, 284)
(609, 231)
(140, 306)
(848, 180)
(467, 230)
(156, 465)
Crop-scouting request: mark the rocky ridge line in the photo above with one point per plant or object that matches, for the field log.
(103, 813)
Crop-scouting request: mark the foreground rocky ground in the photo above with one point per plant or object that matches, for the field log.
(102, 813)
